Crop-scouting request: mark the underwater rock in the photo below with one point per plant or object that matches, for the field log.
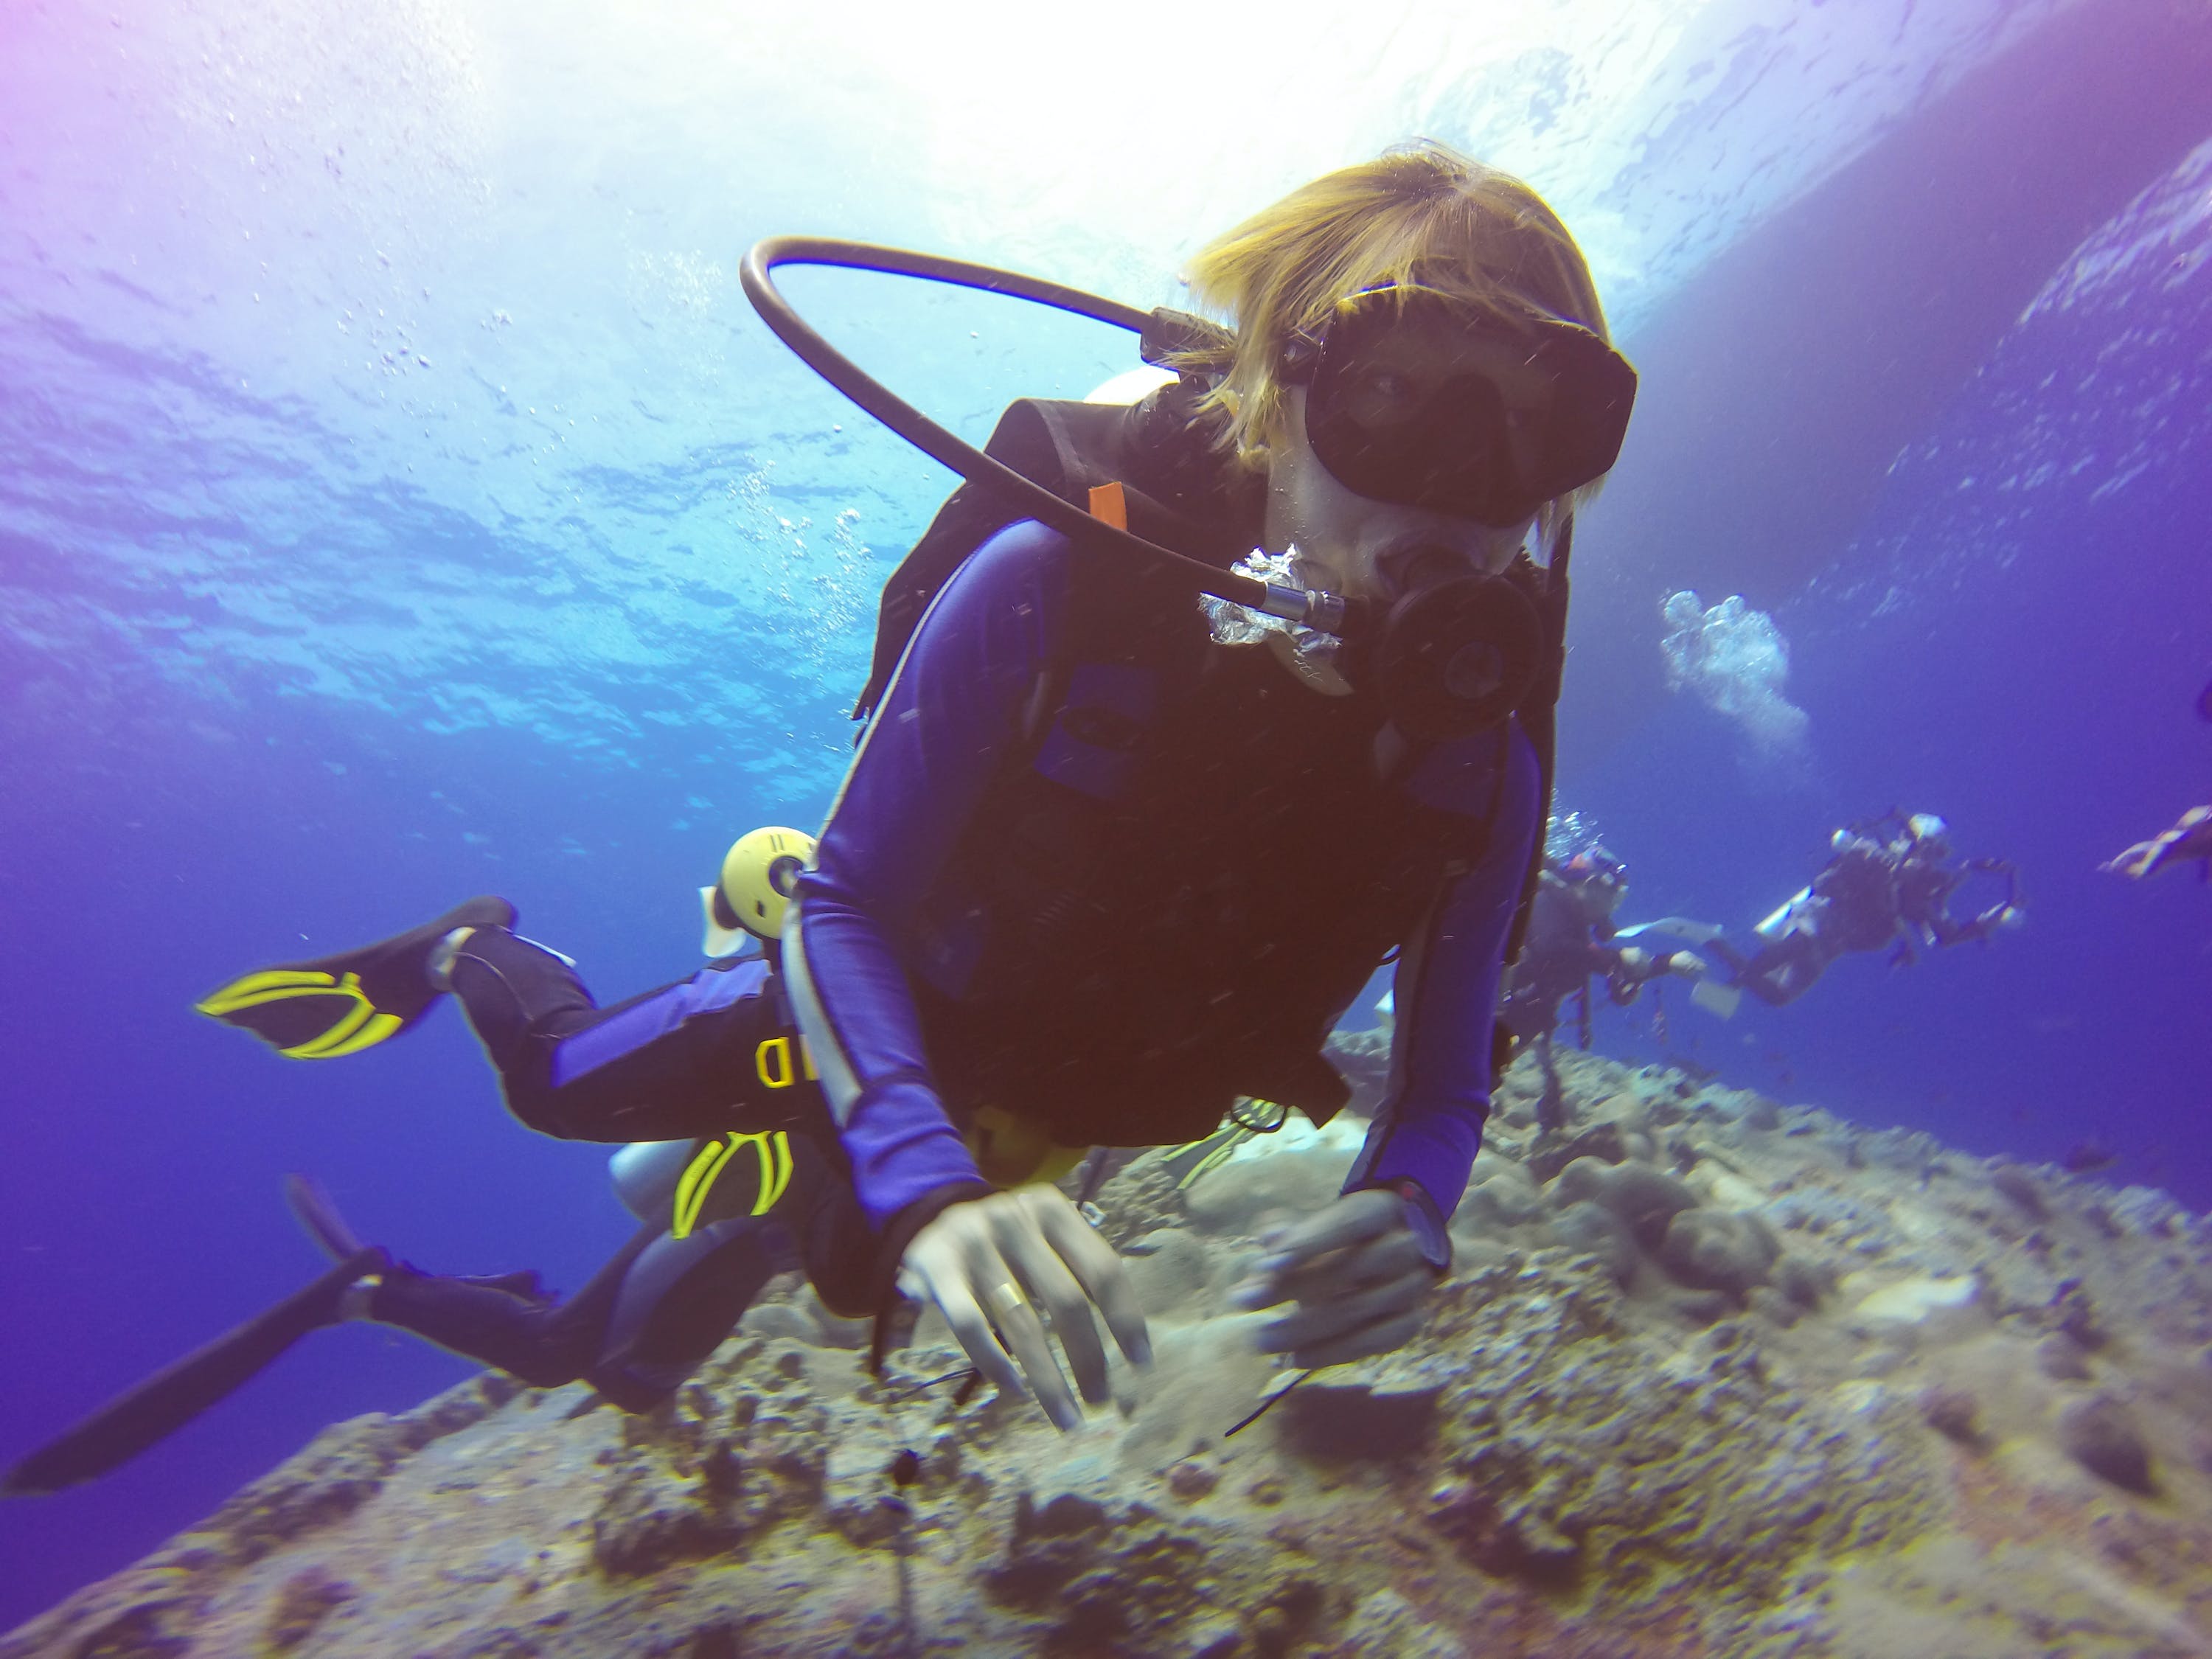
(2074, 1315)
(1299, 1171)
(1719, 1250)
(1363, 1058)
(1126, 1579)
(1646, 1198)
(135, 1615)
(307, 1599)
(1340, 1421)
(1922, 1299)
(2100, 1435)
(1288, 1611)
(1804, 1283)
(2016, 1184)
(1602, 1142)
(1772, 1306)
(1511, 1192)
(1191, 1480)
(648, 1519)
(1953, 1412)
(1521, 1544)
(1595, 1230)
(2059, 1357)
(1701, 1307)
(1176, 1270)
(1387, 1623)
(1573, 1457)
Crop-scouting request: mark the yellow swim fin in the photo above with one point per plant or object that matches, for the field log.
(1200, 1157)
(340, 1004)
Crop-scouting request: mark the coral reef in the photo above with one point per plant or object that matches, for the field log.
(1713, 1375)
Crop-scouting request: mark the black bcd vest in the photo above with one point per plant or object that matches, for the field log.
(1143, 924)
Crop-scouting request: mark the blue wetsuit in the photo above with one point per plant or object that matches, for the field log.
(687, 1059)
(952, 716)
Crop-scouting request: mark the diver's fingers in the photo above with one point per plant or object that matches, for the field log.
(1017, 1320)
(1098, 1266)
(950, 1260)
(1023, 1242)
(1342, 1272)
(973, 1332)
(1352, 1219)
(1326, 1325)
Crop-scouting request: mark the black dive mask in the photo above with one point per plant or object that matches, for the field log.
(1421, 399)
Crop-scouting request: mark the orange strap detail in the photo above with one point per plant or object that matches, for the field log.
(1110, 503)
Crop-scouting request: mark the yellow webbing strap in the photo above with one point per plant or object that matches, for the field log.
(771, 1146)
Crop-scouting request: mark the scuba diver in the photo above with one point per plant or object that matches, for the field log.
(1571, 939)
(1110, 858)
(1890, 880)
(2190, 841)
(719, 1218)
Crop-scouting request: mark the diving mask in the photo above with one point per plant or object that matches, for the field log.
(1417, 398)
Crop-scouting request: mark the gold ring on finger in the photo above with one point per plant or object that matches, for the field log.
(1007, 1297)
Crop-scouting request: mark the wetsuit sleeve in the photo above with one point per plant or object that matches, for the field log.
(951, 712)
(1430, 1124)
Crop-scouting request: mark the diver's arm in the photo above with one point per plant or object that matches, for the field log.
(1430, 1125)
(951, 712)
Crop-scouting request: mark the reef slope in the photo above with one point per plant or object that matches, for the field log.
(1714, 1376)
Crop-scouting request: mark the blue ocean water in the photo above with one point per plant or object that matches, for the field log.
(400, 502)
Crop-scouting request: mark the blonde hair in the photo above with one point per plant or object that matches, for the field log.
(1419, 213)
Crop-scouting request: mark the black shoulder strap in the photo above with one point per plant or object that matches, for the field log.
(1537, 715)
(970, 515)
(1168, 473)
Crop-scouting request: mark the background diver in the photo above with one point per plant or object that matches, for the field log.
(1057, 901)
(2190, 841)
(720, 1218)
(1571, 939)
(1890, 882)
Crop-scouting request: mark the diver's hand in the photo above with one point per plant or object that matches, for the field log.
(1688, 964)
(1356, 1271)
(991, 1262)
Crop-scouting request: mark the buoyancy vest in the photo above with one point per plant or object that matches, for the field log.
(1179, 492)
(1171, 892)
(1176, 489)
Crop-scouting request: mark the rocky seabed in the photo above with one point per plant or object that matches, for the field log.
(1713, 1375)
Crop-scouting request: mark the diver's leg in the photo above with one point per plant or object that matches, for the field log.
(707, 1053)
(801, 1180)
(679, 1301)
(1552, 1104)
(680, 1296)
(1804, 959)
(541, 1342)
(663, 1304)
(1776, 975)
